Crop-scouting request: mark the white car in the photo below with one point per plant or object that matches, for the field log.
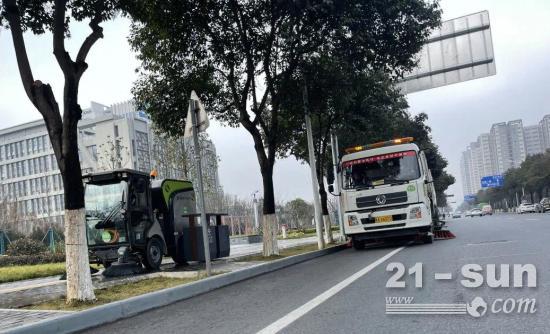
(526, 207)
(474, 213)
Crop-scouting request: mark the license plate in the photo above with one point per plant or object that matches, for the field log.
(383, 219)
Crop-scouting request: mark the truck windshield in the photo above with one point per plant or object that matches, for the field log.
(104, 219)
(391, 168)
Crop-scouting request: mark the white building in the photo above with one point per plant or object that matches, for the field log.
(119, 136)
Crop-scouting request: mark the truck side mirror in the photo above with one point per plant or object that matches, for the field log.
(331, 190)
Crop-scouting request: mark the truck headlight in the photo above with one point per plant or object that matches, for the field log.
(352, 220)
(415, 213)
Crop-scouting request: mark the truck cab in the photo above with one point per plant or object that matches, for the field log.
(387, 191)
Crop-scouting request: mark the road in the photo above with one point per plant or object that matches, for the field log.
(346, 291)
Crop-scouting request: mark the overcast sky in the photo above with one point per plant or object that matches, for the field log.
(458, 113)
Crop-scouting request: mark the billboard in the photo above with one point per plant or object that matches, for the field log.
(460, 50)
(493, 181)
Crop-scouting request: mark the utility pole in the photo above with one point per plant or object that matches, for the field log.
(194, 105)
(312, 166)
(337, 181)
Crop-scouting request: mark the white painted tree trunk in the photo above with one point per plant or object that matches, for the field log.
(328, 229)
(270, 229)
(79, 279)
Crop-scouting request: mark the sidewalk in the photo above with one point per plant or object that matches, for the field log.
(236, 251)
(51, 287)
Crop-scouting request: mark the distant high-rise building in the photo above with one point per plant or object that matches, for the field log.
(533, 139)
(466, 172)
(545, 132)
(506, 146)
(500, 147)
(516, 139)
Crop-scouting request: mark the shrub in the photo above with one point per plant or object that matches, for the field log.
(25, 246)
(31, 259)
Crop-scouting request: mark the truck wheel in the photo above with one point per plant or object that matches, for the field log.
(358, 244)
(429, 238)
(153, 254)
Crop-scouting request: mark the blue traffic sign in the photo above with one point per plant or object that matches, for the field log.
(470, 198)
(493, 181)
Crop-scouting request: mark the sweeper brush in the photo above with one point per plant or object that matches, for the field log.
(443, 235)
(123, 269)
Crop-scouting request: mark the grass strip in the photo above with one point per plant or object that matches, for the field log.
(18, 273)
(114, 293)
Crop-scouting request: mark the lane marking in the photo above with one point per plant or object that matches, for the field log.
(438, 276)
(310, 305)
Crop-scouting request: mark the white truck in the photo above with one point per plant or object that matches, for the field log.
(387, 191)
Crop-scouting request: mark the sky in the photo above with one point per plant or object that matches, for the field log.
(457, 113)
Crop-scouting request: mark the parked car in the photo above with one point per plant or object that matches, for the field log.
(457, 214)
(538, 208)
(475, 213)
(526, 208)
(487, 210)
(545, 203)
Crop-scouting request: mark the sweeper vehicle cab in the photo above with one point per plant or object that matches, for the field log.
(131, 218)
(387, 191)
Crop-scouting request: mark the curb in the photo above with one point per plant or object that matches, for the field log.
(111, 312)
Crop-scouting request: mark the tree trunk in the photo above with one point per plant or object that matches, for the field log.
(79, 279)
(324, 207)
(269, 222)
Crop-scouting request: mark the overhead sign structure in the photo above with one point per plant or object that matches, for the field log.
(461, 50)
(493, 181)
(470, 198)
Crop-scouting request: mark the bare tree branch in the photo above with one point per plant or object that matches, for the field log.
(95, 35)
(14, 18)
(61, 55)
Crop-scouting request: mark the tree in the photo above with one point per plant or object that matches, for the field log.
(242, 56)
(531, 181)
(300, 213)
(54, 16)
(112, 154)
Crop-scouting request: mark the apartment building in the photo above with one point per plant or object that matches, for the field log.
(506, 146)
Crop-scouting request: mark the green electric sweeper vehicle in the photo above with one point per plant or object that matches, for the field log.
(132, 219)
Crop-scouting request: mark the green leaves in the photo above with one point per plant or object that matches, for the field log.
(37, 15)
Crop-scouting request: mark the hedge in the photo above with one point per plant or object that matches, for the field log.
(31, 259)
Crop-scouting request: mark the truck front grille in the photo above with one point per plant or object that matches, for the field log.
(390, 198)
(381, 226)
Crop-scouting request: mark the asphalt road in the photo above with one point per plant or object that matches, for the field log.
(346, 292)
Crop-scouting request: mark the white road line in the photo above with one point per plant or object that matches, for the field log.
(310, 305)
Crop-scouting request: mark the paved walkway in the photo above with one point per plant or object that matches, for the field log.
(236, 251)
(10, 318)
